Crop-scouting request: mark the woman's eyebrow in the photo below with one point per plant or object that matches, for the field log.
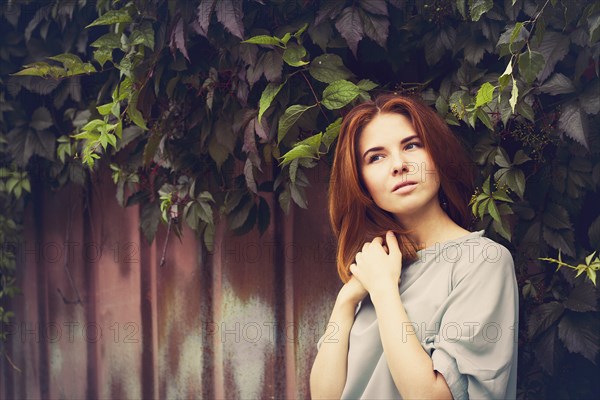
(379, 148)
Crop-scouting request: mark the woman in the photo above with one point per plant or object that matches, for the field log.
(428, 309)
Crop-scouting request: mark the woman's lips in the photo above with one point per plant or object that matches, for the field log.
(406, 188)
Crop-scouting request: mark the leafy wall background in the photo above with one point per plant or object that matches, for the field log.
(206, 107)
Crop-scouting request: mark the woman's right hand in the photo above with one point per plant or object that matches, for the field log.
(352, 292)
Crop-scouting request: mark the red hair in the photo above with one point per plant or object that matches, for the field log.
(354, 216)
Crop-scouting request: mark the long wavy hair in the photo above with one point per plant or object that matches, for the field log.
(354, 216)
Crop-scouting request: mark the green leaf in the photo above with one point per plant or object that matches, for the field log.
(329, 68)
(102, 55)
(530, 64)
(502, 196)
(264, 40)
(505, 78)
(105, 108)
(493, 211)
(515, 178)
(485, 118)
(366, 85)
(461, 5)
(70, 61)
(299, 151)
(307, 148)
(502, 159)
(591, 275)
(86, 135)
(479, 7)
(299, 196)
(506, 47)
(339, 93)
(331, 133)
(521, 158)
(502, 228)
(112, 17)
(238, 217)
(300, 31)
(267, 97)
(134, 113)
(41, 69)
(515, 33)
(294, 169)
(110, 40)
(293, 55)
(94, 125)
(485, 94)
(143, 35)
(482, 207)
(289, 118)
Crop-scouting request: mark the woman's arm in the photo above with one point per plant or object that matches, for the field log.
(410, 365)
(328, 374)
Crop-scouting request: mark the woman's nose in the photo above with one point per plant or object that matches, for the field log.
(398, 165)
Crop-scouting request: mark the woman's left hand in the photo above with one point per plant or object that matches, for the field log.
(376, 268)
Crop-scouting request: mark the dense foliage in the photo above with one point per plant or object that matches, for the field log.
(204, 107)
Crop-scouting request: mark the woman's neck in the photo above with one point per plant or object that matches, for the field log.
(435, 226)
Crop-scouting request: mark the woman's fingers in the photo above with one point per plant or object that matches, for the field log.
(378, 240)
(392, 243)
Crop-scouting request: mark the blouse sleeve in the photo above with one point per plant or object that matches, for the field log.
(475, 347)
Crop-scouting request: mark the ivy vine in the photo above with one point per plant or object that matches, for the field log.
(211, 107)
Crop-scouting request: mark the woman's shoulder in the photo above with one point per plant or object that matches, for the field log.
(483, 258)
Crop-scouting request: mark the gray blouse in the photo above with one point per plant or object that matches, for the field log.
(462, 297)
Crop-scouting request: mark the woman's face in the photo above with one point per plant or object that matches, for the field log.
(391, 154)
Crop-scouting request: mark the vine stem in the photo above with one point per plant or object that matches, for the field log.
(164, 251)
(315, 95)
(11, 362)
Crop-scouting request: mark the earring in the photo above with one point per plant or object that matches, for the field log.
(443, 200)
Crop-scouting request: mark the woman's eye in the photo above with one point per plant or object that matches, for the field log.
(417, 144)
(374, 158)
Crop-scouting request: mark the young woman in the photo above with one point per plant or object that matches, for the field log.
(428, 309)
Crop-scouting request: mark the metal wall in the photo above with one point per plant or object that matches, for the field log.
(240, 322)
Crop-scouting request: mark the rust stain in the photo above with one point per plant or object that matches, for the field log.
(239, 323)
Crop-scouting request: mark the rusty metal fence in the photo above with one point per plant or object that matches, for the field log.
(99, 318)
